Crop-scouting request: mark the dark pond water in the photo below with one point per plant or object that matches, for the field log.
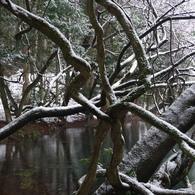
(52, 164)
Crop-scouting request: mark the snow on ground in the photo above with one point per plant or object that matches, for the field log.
(16, 90)
(2, 115)
(15, 87)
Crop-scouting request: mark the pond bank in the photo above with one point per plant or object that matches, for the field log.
(40, 127)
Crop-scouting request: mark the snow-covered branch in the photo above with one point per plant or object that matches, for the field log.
(101, 52)
(162, 191)
(55, 78)
(130, 182)
(39, 112)
(176, 64)
(166, 19)
(144, 188)
(127, 26)
(172, 171)
(166, 127)
(162, 84)
(69, 55)
(163, 53)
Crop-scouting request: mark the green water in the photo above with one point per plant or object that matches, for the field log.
(52, 164)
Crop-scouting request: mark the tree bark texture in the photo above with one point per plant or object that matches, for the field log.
(3, 96)
(148, 153)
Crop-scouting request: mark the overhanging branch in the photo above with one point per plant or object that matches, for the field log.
(179, 137)
(39, 112)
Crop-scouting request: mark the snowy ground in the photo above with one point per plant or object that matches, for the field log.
(16, 89)
(2, 116)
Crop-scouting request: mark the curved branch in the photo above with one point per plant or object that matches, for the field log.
(172, 171)
(154, 27)
(69, 55)
(101, 52)
(161, 191)
(18, 35)
(117, 156)
(172, 8)
(127, 26)
(51, 32)
(166, 127)
(173, 66)
(102, 130)
(170, 18)
(132, 182)
(33, 84)
(39, 112)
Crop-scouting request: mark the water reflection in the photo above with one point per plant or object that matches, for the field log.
(51, 164)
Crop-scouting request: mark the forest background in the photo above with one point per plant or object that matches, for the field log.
(103, 59)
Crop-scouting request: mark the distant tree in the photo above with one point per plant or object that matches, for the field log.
(133, 52)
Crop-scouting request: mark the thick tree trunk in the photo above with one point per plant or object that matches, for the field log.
(173, 171)
(149, 152)
(4, 97)
(26, 82)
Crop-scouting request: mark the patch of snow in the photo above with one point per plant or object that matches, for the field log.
(2, 115)
(193, 185)
(129, 59)
(16, 92)
(15, 89)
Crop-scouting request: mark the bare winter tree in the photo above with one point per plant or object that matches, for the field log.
(136, 53)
